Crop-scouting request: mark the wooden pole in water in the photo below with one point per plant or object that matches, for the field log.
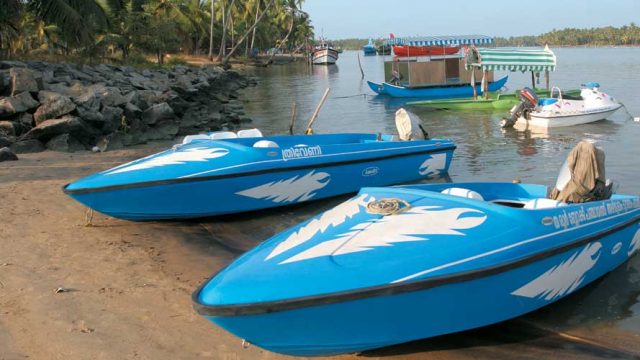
(316, 112)
(486, 84)
(546, 79)
(360, 65)
(533, 81)
(293, 118)
(473, 83)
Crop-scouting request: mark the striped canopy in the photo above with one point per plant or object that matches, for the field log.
(441, 40)
(512, 59)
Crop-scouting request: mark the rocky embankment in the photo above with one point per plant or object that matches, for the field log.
(67, 107)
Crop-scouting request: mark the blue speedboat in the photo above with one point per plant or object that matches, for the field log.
(435, 91)
(393, 265)
(208, 177)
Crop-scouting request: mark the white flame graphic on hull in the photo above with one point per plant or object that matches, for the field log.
(333, 217)
(433, 165)
(635, 244)
(293, 189)
(198, 154)
(416, 224)
(564, 278)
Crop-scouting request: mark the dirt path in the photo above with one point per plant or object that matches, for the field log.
(127, 286)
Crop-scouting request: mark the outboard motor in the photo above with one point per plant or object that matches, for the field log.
(528, 102)
(409, 126)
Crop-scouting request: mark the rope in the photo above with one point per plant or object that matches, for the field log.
(387, 206)
(628, 113)
(350, 96)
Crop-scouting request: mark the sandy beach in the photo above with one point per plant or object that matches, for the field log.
(124, 288)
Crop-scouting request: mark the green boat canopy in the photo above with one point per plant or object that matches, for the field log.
(536, 60)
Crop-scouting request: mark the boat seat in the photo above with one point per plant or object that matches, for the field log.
(543, 203)
(465, 193)
(249, 133)
(265, 144)
(219, 135)
(190, 138)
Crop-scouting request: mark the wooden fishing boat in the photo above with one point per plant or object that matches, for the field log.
(369, 49)
(324, 54)
(444, 75)
(445, 91)
(406, 50)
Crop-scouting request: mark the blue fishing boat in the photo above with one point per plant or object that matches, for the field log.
(398, 264)
(434, 92)
(369, 49)
(210, 176)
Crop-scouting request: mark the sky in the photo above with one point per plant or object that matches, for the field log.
(341, 19)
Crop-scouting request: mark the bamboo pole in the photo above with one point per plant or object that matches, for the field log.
(293, 117)
(360, 65)
(316, 112)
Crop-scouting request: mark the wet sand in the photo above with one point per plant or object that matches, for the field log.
(128, 285)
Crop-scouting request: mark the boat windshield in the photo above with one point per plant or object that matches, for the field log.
(564, 176)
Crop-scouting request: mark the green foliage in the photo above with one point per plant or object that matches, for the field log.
(605, 36)
(116, 29)
(176, 60)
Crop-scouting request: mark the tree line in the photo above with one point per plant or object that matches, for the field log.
(122, 29)
(628, 35)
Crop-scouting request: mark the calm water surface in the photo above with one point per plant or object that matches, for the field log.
(485, 152)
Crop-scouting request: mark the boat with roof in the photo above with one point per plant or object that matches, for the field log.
(435, 76)
(397, 264)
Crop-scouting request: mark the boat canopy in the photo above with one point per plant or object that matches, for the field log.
(441, 40)
(536, 60)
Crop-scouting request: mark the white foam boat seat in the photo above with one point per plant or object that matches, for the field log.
(543, 203)
(465, 193)
(219, 135)
(249, 133)
(189, 138)
(265, 144)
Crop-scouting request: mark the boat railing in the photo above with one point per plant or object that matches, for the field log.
(553, 89)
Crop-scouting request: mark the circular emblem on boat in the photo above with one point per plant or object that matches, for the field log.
(371, 171)
(389, 206)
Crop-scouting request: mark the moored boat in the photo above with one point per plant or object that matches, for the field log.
(563, 110)
(407, 50)
(210, 176)
(495, 101)
(436, 75)
(434, 92)
(393, 265)
(369, 49)
(324, 54)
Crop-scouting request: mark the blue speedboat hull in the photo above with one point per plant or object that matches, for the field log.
(433, 92)
(374, 285)
(215, 177)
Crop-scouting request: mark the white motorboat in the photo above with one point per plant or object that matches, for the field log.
(592, 105)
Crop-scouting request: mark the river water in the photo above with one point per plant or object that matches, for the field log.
(608, 309)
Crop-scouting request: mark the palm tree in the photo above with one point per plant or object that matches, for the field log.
(10, 15)
(77, 20)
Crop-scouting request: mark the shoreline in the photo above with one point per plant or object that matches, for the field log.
(128, 285)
